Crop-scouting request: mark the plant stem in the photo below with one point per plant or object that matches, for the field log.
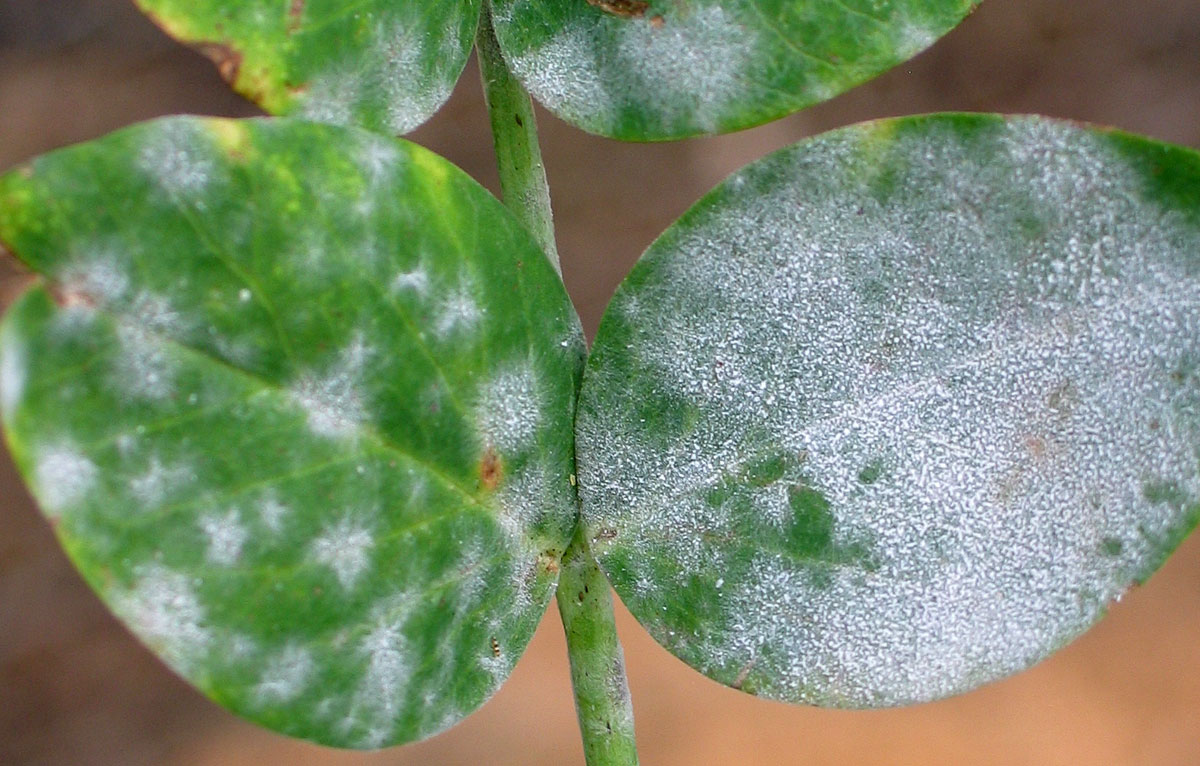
(523, 184)
(597, 663)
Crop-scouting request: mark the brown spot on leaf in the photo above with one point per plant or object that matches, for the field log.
(228, 60)
(657, 21)
(549, 561)
(67, 298)
(495, 647)
(606, 533)
(629, 9)
(490, 469)
(295, 16)
(741, 676)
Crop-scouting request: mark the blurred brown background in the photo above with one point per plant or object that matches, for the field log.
(76, 689)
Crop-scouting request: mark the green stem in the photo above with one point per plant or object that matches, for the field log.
(597, 662)
(523, 184)
(584, 601)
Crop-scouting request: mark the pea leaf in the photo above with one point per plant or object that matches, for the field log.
(381, 64)
(901, 409)
(664, 69)
(299, 402)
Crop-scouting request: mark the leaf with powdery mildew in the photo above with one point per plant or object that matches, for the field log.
(382, 64)
(663, 69)
(901, 409)
(299, 400)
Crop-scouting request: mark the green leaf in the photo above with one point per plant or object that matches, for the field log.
(299, 402)
(666, 69)
(901, 409)
(381, 64)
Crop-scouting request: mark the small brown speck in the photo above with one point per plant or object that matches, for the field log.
(490, 469)
(495, 647)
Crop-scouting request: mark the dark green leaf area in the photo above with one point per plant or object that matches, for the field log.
(298, 400)
(379, 64)
(667, 69)
(901, 409)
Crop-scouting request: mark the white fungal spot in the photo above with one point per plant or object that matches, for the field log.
(690, 69)
(416, 280)
(142, 368)
(272, 512)
(458, 313)
(179, 156)
(226, 536)
(285, 676)
(244, 295)
(164, 611)
(412, 91)
(985, 410)
(63, 477)
(151, 488)
(508, 409)
(332, 96)
(13, 371)
(333, 400)
(378, 158)
(344, 547)
(377, 700)
(95, 279)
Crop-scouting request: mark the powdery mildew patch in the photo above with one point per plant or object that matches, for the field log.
(13, 371)
(142, 368)
(163, 609)
(459, 313)
(333, 399)
(688, 69)
(63, 477)
(1005, 422)
(345, 547)
(273, 513)
(159, 481)
(226, 535)
(285, 676)
(180, 157)
(508, 409)
(376, 703)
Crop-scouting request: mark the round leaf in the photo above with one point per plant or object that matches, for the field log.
(299, 402)
(663, 69)
(382, 64)
(901, 409)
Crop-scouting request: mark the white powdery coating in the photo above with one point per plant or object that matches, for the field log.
(285, 676)
(1019, 396)
(158, 482)
(508, 409)
(13, 371)
(332, 96)
(398, 70)
(344, 547)
(692, 65)
(142, 369)
(688, 69)
(377, 701)
(416, 280)
(555, 74)
(411, 93)
(180, 157)
(163, 610)
(458, 313)
(226, 536)
(95, 279)
(63, 476)
(333, 399)
(272, 512)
